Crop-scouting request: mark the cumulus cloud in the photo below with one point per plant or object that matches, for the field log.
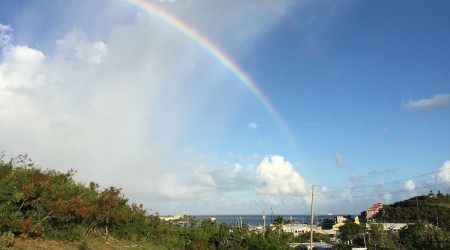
(444, 172)
(203, 178)
(21, 67)
(66, 113)
(76, 44)
(432, 103)
(410, 185)
(116, 107)
(280, 178)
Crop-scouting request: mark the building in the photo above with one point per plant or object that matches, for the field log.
(340, 219)
(315, 245)
(171, 218)
(298, 229)
(374, 210)
(391, 227)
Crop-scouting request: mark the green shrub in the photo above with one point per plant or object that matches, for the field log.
(7, 240)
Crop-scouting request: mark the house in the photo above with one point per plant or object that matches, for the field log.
(340, 219)
(171, 218)
(315, 245)
(390, 227)
(374, 210)
(297, 229)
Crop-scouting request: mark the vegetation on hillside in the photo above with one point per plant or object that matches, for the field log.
(48, 204)
(432, 208)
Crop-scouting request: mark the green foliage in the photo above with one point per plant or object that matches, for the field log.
(51, 204)
(429, 224)
(424, 236)
(327, 223)
(351, 234)
(379, 239)
(434, 209)
(7, 240)
(279, 220)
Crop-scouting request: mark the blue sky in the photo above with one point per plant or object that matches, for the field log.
(112, 91)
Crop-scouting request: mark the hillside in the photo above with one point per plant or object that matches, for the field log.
(432, 208)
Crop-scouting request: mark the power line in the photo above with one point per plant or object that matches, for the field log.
(393, 192)
(386, 183)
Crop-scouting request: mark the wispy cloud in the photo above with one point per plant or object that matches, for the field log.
(428, 104)
(252, 125)
(385, 130)
(315, 124)
(340, 162)
(5, 34)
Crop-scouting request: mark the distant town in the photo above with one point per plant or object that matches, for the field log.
(354, 232)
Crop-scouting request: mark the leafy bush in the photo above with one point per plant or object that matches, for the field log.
(7, 240)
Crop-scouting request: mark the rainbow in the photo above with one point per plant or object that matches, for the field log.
(215, 52)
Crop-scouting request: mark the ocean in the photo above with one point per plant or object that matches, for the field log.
(256, 220)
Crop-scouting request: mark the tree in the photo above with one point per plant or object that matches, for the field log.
(379, 239)
(351, 233)
(327, 223)
(424, 236)
(279, 220)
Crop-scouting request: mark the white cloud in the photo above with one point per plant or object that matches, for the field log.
(280, 178)
(76, 44)
(5, 35)
(66, 113)
(116, 106)
(410, 185)
(387, 197)
(21, 67)
(203, 178)
(444, 174)
(92, 52)
(437, 101)
(252, 125)
(346, 195)
(173, 190)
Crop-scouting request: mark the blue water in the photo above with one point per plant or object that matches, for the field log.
(255, 220)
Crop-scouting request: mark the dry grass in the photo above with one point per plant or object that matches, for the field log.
(86, 244)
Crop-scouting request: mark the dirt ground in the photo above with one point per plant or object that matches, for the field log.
(87, 244)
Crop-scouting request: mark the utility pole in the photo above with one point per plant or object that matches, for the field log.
(417, 210)
(312, 217)
(264, 227)
(271, 215)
